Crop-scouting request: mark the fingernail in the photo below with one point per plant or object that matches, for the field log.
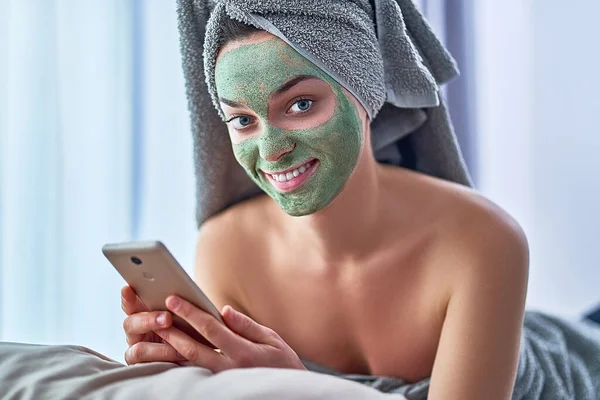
(173, 303)
(162, 319)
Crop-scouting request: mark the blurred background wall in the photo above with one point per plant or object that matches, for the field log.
(539, 139)
(95, 147)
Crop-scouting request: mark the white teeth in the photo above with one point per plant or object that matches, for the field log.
(292, 174)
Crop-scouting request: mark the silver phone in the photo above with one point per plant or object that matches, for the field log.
(154, 274)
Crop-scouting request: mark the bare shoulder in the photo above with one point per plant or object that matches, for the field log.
(479, 260)
(486, 247)
(473, 231)
(482, 255)
(226, 244)
(487, 236)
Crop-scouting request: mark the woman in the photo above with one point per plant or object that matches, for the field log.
(351, 264)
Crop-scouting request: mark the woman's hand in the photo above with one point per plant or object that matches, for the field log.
(243, 343)
(139, 326)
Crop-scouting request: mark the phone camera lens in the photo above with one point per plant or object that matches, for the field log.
(136, 260)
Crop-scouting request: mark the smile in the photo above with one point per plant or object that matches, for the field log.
(291, 179)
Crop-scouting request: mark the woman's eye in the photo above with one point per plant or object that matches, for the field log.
(301, 106)
(241, 122)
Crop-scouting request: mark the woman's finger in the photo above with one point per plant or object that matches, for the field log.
(247, 328)
(215, 332)
(198, 354)
(143, 322)
(130, 302)
(150, 352)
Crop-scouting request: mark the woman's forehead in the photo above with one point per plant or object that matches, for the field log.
(252, 69)
(253, 38)
(261, 54)
(258, 67)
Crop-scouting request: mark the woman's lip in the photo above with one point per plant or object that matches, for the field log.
(295, 182)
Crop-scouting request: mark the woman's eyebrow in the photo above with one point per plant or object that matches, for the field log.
(280, 90)
(290, 83)
(231, 103)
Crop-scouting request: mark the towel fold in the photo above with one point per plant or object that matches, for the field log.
(381, 51)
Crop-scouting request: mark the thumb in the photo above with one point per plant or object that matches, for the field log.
(246, 327)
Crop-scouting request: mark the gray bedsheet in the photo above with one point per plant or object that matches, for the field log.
(559, 360)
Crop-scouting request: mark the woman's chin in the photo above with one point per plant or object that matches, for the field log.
(298, 211)
(300, 208)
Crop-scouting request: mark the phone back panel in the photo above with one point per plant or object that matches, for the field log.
(154, 274)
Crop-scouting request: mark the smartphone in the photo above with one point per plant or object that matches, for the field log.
(154, 274)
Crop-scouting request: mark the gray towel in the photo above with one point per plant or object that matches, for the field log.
(559, 360)
(382, 51)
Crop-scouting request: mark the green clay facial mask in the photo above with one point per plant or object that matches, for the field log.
(303, 166)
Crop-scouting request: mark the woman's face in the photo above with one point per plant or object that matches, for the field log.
(293, 128)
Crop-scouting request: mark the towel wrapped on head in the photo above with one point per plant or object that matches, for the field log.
(381, 51)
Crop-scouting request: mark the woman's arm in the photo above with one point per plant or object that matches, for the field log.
(478, 352)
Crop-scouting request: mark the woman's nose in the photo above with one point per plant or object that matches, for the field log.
(274, 145)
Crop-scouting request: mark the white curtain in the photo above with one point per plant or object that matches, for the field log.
(94, 148)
